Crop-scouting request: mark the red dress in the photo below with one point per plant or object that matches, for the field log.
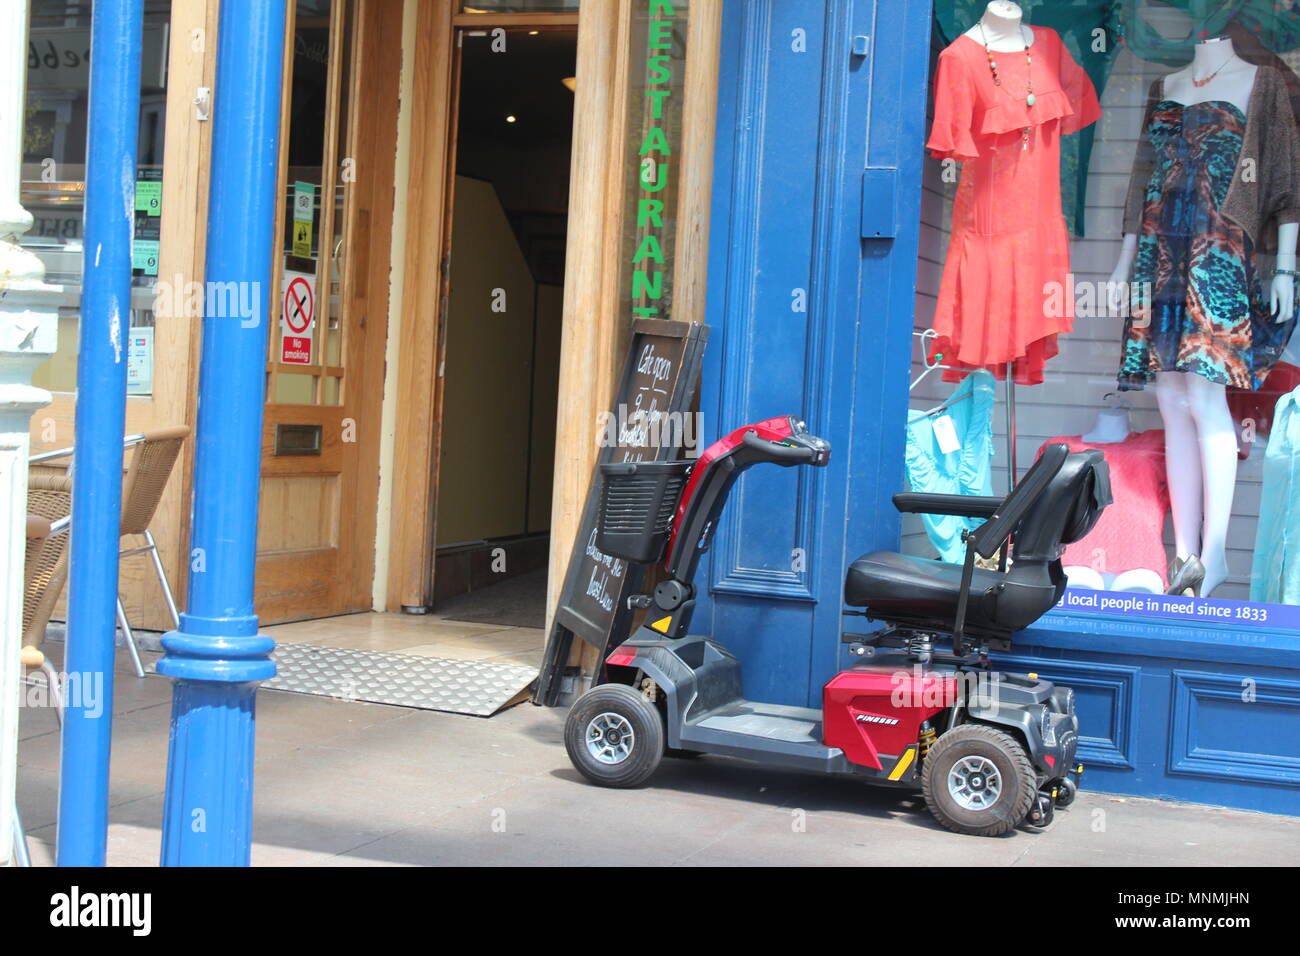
(1006, 292)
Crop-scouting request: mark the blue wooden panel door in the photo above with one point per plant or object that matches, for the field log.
(821, 114)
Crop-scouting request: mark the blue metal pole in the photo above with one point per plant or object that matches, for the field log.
(114, 110)
(217, 658)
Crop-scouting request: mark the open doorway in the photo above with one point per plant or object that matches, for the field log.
(507, 136)
(503, 322)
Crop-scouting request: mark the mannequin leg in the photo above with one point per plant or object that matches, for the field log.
(1218, 440)
(1182, 461)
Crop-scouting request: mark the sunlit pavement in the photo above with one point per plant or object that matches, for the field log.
(352, 784)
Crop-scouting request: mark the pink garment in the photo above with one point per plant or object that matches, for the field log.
(1130, 533)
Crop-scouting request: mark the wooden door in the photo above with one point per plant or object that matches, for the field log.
(324, 385)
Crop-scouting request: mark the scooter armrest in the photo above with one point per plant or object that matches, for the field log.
(967, 506)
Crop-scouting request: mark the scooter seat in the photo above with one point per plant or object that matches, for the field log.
(907, 589)
(1056, 502)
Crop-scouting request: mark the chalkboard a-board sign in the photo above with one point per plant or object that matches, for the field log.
(647, 423)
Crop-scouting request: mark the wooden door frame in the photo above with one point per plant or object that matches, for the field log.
(418, 378)
(372, 104)
(592, 330)
(376, 184)
(423, 332)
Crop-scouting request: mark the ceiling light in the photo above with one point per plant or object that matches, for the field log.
(510, 119)
(570, 83)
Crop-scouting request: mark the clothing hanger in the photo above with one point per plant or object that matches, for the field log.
(931, 412)
(926, 338)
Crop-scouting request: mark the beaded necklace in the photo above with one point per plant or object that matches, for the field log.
(1206, 82)
(1029, 78)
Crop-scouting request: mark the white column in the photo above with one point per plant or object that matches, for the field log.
(28, 333)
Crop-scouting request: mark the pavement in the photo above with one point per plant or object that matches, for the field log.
(352, 784)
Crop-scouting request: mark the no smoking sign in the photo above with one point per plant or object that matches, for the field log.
(297, 318)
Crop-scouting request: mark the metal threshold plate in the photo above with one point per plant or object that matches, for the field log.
(403, 680)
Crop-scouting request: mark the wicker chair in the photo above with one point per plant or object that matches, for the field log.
(38, 532)
(153, 456)
(49, 499)
(142, 488)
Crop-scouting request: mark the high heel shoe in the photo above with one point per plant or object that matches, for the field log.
(1186, 576)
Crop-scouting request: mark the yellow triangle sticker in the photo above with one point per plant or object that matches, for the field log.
(662, 624)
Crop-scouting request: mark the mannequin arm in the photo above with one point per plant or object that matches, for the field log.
(1117, 285)
(1282, 299)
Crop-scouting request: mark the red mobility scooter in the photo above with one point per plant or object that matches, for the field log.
(920, 706)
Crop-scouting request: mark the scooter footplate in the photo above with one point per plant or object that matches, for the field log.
(770, 721)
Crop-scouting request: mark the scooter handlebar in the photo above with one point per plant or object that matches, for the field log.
(781, 452)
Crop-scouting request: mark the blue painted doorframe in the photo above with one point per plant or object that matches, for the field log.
(821, 112)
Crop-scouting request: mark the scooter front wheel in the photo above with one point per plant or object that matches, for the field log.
(614, 736)
(978, 780)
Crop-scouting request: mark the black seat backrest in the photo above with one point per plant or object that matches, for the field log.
(1088, 508)
(1058, 501)
(1024, 498)
(1066, 511)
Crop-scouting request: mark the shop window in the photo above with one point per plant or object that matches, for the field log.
(308, 316)
(53, 174)
(1106, 259)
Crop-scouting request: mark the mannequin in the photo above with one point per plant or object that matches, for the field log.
(1005, 95)
(1112, 425)
(1002, 28)
(1200, 439)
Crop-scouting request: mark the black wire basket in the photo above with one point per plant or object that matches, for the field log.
(638, 500)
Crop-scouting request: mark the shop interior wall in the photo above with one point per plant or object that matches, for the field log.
(485, 471)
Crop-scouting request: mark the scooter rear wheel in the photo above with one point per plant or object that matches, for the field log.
(614, 736)
(978, 780)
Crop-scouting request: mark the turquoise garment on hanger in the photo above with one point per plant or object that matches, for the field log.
(1275, 574)
(966, 471)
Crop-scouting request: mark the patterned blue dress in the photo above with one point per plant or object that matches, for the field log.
(1198, 303)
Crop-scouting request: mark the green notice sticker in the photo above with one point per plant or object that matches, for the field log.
(144, 256)
(148, 198)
